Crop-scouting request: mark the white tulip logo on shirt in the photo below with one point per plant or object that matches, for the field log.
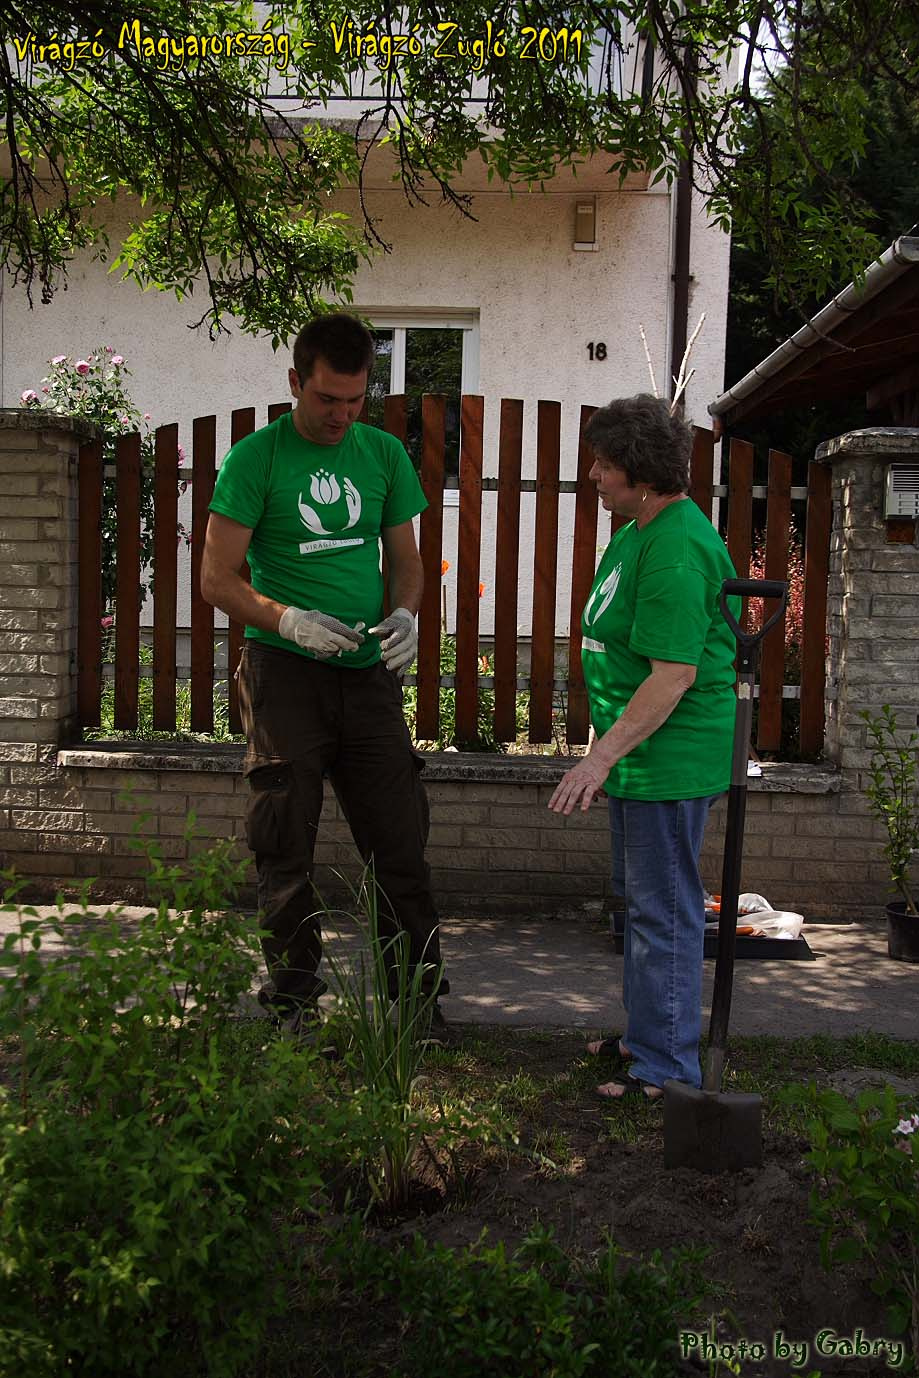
(324, 488)
(606, 591)
(325, 492)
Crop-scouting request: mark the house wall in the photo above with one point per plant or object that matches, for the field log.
(540, 304)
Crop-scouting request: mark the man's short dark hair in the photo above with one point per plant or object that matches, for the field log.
(640, 436)
(340, 339)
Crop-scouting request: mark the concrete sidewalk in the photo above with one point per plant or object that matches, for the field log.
(565, 974)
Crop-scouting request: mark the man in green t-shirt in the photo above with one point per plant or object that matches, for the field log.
(306, 502)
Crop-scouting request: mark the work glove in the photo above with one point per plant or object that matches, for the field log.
(398, 640)
(319, 633)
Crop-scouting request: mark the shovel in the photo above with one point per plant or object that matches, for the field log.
(708, 1129)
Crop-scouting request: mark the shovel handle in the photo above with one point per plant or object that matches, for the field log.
(753, 588)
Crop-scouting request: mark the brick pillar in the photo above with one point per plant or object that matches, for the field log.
(872, 618)
(38, 581)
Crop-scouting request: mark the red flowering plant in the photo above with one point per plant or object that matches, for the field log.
(794, 613)
(94, 387)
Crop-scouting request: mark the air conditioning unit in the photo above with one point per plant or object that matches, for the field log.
(902, 496)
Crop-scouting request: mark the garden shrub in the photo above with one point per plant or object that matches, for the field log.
(154, 1153)
(487, 1314)
(866, 1202)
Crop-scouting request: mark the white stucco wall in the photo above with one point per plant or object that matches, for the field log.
(539, 303)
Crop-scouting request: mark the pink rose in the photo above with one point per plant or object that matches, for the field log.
(146, 416)
(108, 622)
(117, 359)
(123, 420)
(59, 359)
(30, 395)
(82, 367)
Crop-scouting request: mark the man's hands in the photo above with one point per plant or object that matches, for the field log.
(398, 640)
(316, 631)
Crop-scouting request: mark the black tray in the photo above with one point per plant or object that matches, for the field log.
(769, 949)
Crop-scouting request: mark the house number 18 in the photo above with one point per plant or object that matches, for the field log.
(597, 351)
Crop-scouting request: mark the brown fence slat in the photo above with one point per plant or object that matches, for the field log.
(740, 506)
(165, 576)
(545, 567)
(813, 634)
(740, 514)
(507, 555)
(89, 589)
(204, 458)
(702, 469)
(772, 673)
(395, 422)
(583, 567)
(468, 568)
(395, 415)
(278, 409)
(433, 419)
(127, 580)
(242, 423)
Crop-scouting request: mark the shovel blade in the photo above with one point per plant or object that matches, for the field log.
(711, 1131)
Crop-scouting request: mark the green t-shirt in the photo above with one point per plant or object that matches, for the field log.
(316, 513)
(655, 596)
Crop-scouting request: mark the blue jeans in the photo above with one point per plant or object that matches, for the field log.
(656, 850)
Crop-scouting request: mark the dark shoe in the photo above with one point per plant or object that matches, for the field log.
(280, 1006)
(440, 1034)
(306, 1028)
(610, 1050)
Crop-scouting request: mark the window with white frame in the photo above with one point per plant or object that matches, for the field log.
(425, 354)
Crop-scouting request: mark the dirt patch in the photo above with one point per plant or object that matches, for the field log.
(599, 1172)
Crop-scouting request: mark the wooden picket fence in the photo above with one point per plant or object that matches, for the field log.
(542, 682)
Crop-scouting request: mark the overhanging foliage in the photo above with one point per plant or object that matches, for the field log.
(234, 187)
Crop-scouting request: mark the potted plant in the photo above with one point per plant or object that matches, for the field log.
(893, 793)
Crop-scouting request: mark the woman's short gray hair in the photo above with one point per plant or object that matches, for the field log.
(640, 436)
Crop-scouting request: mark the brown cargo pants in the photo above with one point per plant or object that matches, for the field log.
(305, 719)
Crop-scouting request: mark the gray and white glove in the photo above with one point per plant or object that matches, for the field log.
(398, 640)
(316, 631)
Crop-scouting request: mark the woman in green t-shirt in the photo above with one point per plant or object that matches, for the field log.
(659, 668)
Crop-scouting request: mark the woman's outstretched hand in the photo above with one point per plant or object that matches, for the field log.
(580, 785)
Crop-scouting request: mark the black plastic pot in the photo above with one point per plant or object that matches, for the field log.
(902, 933)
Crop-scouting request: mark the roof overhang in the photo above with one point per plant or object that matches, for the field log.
(865, 340)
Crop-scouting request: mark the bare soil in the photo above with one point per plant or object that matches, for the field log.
(590, 1170)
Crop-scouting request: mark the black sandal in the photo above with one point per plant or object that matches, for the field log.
(610, 1049)
(632, 1087)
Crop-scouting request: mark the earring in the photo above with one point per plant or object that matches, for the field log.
(644, 496)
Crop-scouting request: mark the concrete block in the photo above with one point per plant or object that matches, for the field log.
(37, 686)
(119, 822)
(18, 530)
(42, 864)
(526, 860)
(18, 481)
(18, 619)
(18, 663)
(17, 751)
(213, 825)
(31, 505)
(17, 708)
(19, 796)
(13, 841)
(15, 596)
(47, 820)
(75, 796)
(170, 848)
